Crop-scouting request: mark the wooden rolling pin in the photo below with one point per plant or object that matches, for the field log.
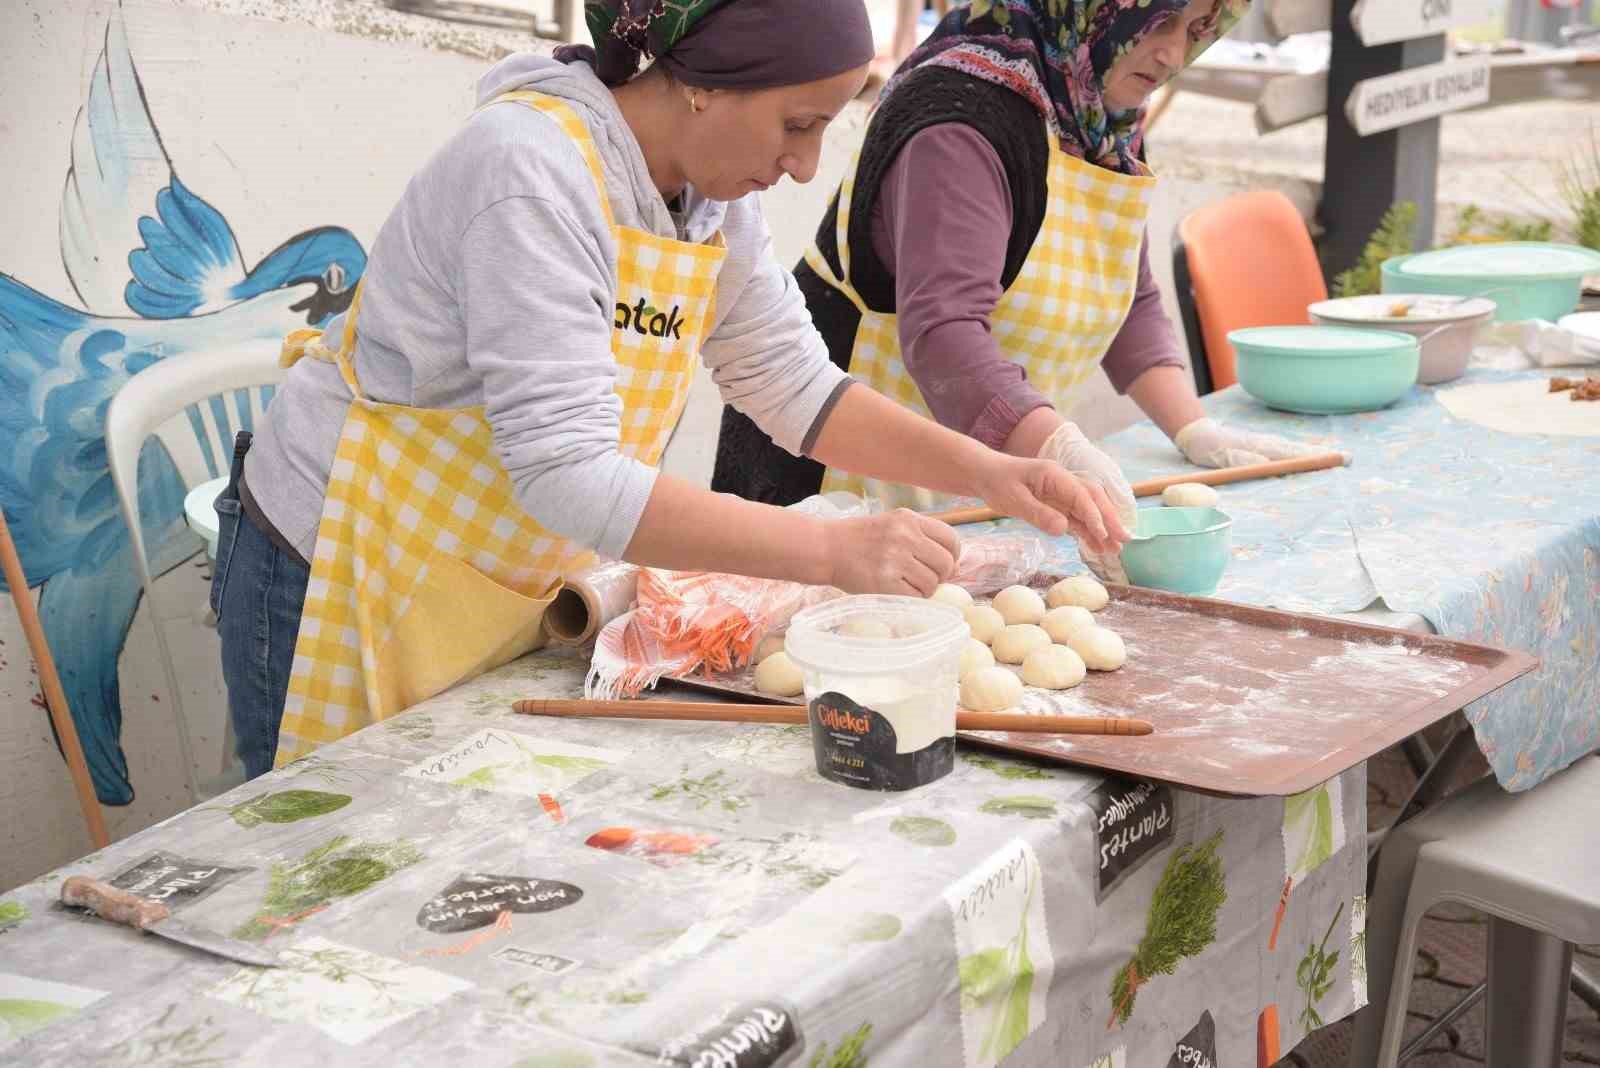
(1154, 487)
(795, 715)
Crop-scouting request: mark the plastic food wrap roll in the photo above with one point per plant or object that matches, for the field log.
(589, 600)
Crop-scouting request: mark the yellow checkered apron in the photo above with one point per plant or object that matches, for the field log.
(427, 571)
(1057, 318)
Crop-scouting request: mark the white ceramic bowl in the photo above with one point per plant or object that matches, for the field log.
(1453, 323)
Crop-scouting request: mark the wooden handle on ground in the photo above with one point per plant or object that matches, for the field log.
(55, 698)
(717, 712)
(109, 903)
(1153, 487)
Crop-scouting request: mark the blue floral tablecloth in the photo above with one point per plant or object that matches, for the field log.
(1491, 537)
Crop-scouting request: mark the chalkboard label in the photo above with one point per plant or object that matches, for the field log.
(856, 746)
(172, 880)
(757, 1034)
(548, 963)
(1198, 1048)
(474, 901)
(1133, 821)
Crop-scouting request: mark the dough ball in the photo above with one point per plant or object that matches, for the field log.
(985, 622)
(1059, 623)
(953, 595)
(779, 676)
(1101, 649)
(1081, 591)
(1018, 604)
(772, 643)
(1017, 641)
(994, 689)
(867, 628)
(974, 656)
(1189, 495)
(1054, 667)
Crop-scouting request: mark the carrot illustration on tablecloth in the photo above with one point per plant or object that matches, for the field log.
(1182, 922)
(1313, 831)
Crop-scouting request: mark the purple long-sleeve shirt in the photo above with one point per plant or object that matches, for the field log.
(940, 226)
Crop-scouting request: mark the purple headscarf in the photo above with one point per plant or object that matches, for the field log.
(726, 44)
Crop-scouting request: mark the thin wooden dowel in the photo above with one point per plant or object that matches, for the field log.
(1154, 487)
(717, 712)
(54, 696)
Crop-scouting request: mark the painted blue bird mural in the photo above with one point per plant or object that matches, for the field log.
(158, 273)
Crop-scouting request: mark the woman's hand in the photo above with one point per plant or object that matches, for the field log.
(1074, 452)
(898, 552)
(1045, 494)
(1207, 443)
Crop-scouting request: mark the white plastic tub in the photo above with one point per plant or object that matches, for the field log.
(883, 708)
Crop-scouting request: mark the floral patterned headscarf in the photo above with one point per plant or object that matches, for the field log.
(1056, 53)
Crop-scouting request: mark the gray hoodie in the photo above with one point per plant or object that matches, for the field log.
(493, 283)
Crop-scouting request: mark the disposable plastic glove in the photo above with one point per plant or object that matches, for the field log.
(1207, 443)
(1069, 448)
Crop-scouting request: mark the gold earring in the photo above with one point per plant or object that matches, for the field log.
(694, 101)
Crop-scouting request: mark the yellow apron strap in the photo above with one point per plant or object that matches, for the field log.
(841, 222)
(303, 343)
(574, 128)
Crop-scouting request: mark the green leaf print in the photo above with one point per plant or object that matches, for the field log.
(572, 765)
(287, 806)
(999, 981)
(1182, 922)
(848, 1054)
(1028, 806)
(1308, 821)
(1006, 769)
(12, 913)
(924, 830)
(482, 779)
(1314, 976)
(561, 1058)
(713, 789)
(873, 927)
(24, 1016)
(336, 869)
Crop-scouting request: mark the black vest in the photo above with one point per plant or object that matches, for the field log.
(749, 464)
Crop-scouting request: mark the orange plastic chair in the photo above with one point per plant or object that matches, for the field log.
(1250, 263)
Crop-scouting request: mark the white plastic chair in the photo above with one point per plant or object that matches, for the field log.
(193, 404)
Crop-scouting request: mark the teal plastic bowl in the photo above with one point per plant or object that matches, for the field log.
(1325, 370)
(1181, 550)
(1525, 279)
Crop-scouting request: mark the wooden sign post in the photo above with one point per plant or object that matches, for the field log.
(1388, 83)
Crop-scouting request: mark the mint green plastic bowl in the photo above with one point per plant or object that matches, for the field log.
(1525, 279)
(1325, 370)
(1181, 550)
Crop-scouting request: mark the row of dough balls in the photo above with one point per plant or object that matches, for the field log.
(1053, 637)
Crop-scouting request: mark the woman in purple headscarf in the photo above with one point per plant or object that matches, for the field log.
(529, 325)
(986, 254)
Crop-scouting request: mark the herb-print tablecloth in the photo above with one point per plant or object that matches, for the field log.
(1491, 537)
(464, 886)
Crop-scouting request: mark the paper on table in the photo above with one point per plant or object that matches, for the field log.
(1533, 343)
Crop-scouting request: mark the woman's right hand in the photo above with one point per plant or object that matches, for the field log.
(897, 552)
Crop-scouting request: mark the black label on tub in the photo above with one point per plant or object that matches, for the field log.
(757, 1034)
(172, 880)
(1198, 1048)
(474, 901)
(1133, 821)
(856, 746)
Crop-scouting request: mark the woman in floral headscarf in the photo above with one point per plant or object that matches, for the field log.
(987, 252)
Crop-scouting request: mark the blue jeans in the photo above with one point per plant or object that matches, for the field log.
(257, 592)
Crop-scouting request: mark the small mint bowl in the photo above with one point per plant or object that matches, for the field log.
(1325, 370)
(1180, 550)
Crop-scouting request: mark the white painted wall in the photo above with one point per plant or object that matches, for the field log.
(281, 128)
